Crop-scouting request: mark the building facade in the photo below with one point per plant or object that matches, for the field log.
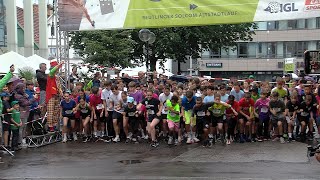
(264, 56)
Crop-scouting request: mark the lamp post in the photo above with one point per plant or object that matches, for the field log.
(148, 37)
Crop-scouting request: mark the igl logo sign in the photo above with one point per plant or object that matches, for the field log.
(312, 5)
(276, 7)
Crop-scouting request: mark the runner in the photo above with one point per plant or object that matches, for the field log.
(173, 117)
(202, 120)
(277, 109)
(166, 95)
(305, 116)
(116, 105)
(66, 114)
(245, 117)
(85, 111)
(97, 113)
(217, 112)
(105, 96)
(154, 108)
(262, 112)
(187, 104)
(232, 118)
(292, 108)
(130, 119)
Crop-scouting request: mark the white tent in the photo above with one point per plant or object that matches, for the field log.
(7, 59)
(35, 60)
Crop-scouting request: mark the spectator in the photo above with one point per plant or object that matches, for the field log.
(42, 81)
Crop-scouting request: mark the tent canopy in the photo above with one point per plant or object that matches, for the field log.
(10, 58)
(35, 60)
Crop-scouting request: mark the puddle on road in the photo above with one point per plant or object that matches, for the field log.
(127, 162)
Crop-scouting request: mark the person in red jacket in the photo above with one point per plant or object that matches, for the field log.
(53, 90)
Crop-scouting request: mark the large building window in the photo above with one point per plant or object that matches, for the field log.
(292, 24)
(242, 50)
(318, 45)
(273, 25)
(318, 22)
(267, 50)
(215, 53)
(53, 52)
(294, 49)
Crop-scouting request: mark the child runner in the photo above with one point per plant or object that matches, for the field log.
(232, 118)
(173, 117)
(262, 107)
(130, 119)
(85, 115)
(202, 120)
(245, 117)
(292, 108)
(305, 116)
(277, 109)
(66, 113)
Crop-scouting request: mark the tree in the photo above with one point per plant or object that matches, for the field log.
(178, 43)
(120, 48)
(105, 48)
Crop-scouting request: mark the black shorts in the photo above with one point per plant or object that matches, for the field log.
(100, 119)
(306, 119)
(70, 117)
(203, 123)
(152, 117)
(215, 120)
(242, 117)
(84, 116)
(117, 115)
(256, 119)
(133, 123)
(6, 126)
(163, 116)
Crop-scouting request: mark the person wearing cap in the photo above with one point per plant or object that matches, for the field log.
(53, 90)
(16, 124)
(131, 118)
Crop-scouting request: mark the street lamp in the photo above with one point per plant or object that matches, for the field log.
(148, 37)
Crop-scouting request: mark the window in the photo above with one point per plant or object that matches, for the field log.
(273, 25)
(292, 24)
(267, 50)
(242, 50)
(318, 45)
(215, 53)
(294, 49)
(318, 22)
(53, 52)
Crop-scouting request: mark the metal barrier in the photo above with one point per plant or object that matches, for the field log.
(35, 141)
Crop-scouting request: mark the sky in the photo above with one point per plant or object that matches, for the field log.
(20, 2)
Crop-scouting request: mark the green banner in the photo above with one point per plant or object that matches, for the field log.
(124, 14)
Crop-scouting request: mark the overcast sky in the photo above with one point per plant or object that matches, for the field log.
(20, 2)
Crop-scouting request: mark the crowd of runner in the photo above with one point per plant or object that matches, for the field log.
(158, 108)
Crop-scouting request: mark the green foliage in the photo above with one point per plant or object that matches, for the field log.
(27, 73)
(119, 48)
(105, 48)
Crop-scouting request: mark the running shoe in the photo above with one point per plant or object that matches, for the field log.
(116, 139)
(282, 140)
(170, 141)
(85, 139)
(65, 139)
(189, 140)
(260, 139)
(205, 143)
(210, 142)
(289, 140)
(154, 144)
(75, 138)
(228, 142)
(196, 140)
(242, 140)
(127, 140)
(176, 142)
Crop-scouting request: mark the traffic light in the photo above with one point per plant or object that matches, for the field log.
(312, 62)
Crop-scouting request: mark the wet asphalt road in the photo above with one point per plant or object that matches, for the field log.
(267, 160)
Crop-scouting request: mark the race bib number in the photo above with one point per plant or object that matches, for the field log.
(264, 110)
(216, 111)
(68, 111)
(150, 112)
(304, 114)
(172, 114)
(131, 114)
(100, 106)
(84, 111)
(201, 113)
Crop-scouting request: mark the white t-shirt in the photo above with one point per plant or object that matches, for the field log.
(163, 98)
(116, 99)
(105, 95)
